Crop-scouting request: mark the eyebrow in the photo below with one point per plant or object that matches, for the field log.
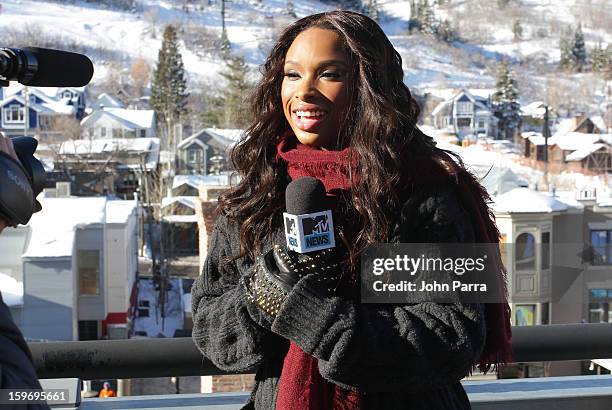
(322, 64)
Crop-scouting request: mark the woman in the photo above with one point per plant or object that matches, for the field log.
(332, 105)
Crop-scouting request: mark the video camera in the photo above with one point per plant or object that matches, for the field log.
(21, 181)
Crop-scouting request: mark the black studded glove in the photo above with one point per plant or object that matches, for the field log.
(278, 270)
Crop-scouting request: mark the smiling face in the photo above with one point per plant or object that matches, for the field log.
(315, 87)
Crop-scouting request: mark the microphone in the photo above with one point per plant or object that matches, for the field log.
(309, 225)
(45, 67)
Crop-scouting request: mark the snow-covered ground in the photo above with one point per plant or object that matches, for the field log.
(155, 325)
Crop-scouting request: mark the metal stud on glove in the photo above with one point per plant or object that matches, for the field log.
(278, 270)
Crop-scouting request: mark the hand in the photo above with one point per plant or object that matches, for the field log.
(279, 270)
(6, 146)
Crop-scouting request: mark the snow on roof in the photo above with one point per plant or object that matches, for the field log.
(573, 141)
(534, 109)
(107, 145)
(525, 200)
(584, 152)
(228, 137)
(107, 100)
(565, 125)
(196, 180)
(119, 211)
(569, 199)
(12, 290)
(599, 122)
(189, 201)
(449, 93)
(233, 135)
(14, 88)
(53, 228)
(142, 119)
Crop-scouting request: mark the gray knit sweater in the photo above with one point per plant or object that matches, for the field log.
(398, 356)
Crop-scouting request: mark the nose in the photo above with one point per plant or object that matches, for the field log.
(306, 88)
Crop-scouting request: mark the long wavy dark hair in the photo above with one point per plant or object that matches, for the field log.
(380, 123)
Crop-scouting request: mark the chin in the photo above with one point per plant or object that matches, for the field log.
(312, 140)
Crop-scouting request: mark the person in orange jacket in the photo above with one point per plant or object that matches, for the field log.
(107, 391)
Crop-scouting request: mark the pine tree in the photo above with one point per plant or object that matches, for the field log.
(565, 48)
(598, 58)
(230, 109)
(425, 18)
(505, 102)
(372, 10)
(169, 87)
(579, 55)
(291, 9)
(444, 32)
(517, 30)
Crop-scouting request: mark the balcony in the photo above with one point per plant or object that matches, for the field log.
(180, 357)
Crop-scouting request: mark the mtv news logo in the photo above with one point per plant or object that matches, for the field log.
(309, 232)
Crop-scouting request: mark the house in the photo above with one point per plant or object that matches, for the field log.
(557, 253)
(106, 166)
(79, 269)
(206, 151)
(45, 106)
(465, 114)
(532, 117)
(590, 153)
(105, 100)
(115, 122)
(189, 185)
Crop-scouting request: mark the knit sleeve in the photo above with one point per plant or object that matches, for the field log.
(385, 347)
(226, 328)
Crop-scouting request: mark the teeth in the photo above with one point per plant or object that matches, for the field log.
(309, 113)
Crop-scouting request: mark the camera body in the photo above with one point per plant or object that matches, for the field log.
(20, 182)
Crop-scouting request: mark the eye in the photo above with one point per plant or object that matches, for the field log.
(331, 74)
(292, 74)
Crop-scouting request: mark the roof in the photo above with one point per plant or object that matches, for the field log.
(107, 100)
(189, 201)
(14, 88)
(573, 141)
(181, 218)
(225, 137)
(525, 200)
(119, 212)
(131, 119)
(47, 106)
(584, 152)
(148, 146)
(53, 228)
(196, 180)
(534, 109)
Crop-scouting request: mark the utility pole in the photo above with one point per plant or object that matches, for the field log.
(546, 134)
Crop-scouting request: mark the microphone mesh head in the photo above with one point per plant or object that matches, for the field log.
(305, 195)
(60, 68)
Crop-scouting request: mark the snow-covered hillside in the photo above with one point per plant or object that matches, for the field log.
(252, 26)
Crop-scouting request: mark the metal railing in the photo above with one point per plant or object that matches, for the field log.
(179, 356)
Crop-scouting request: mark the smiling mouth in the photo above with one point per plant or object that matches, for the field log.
(306, 120)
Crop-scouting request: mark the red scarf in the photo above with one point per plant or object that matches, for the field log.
(301, 386)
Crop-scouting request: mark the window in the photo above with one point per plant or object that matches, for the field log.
(524, 258)
(143, 308)
(88, 263)
(117, 133)
(481, 124)
(545, 250)
(464, 107)
(524, 315)
(599, 305)
(88, 330)
(13, 113)
(142, 133)
(194, 156)
(67, 94)
(601, 241)
(103, 132)
(464, 122)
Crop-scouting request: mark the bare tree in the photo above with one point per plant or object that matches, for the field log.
(140, 74)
